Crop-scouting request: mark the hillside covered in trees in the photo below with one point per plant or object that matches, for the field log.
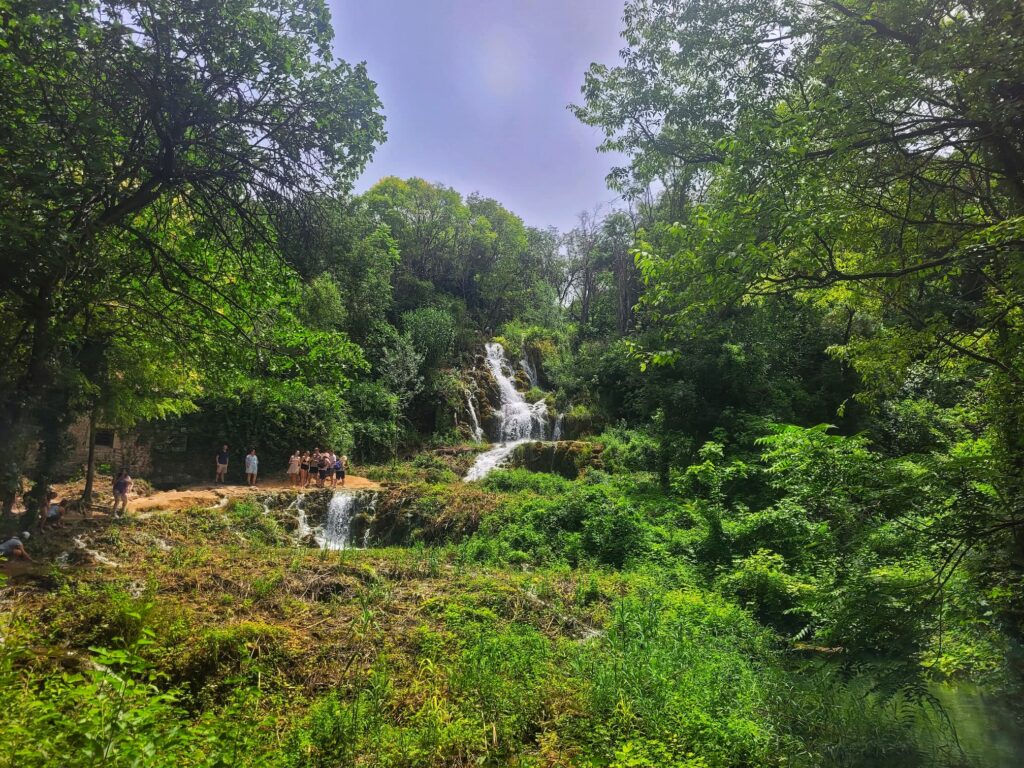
(730, 474)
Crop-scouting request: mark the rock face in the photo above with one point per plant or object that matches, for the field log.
(568, 458)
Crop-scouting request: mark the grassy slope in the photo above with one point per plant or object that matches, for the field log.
(406, 656)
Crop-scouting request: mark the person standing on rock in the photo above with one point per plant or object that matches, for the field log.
(293, 469)
(222, 464)
(252, 465)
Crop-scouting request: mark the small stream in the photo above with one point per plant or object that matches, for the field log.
(989, 732)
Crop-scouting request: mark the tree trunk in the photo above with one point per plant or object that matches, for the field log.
(90, 463)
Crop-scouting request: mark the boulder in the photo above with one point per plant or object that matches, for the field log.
(568, 458)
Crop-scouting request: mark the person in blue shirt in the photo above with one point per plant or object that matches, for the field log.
(222, 464)
(15, 548)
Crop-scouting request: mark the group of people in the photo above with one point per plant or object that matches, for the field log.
(52, 510)
(319, 468)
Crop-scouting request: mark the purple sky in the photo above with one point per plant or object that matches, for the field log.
(475, 93)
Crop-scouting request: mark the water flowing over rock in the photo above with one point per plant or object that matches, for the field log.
(346, 520)
(530, 370)
(478, 433)
(516, 421)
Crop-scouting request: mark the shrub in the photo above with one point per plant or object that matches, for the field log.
(628, 450)
(678, 674)
(761, 583)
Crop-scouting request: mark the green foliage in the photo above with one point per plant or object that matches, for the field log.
(761, 583)
(679, 675)
(627, 450)
(113, 713)
(432, 333)
(899, 239)
(138, 210)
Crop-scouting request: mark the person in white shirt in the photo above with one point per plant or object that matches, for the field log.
(252, 465)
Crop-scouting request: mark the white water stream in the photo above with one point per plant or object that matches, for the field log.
(478, 434)
(336, 531)
(518, 421)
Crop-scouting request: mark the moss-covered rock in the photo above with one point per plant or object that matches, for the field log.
(568, 458)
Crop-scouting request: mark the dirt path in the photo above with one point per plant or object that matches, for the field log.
(211, 495)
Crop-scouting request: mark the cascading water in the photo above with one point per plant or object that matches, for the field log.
(347, 510)
(530, 371)
(478, 434)
(557, 434)
(518, 421)
(336, 531)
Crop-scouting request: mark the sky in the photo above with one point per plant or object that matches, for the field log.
(475, 95)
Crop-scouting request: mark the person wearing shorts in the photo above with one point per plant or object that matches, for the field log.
(304, 470)
(122, 486)
(252, 465)
(339, 471)
(325, 461)
(222, 465)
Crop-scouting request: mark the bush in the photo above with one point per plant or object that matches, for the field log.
(628, 450)
(761, 583)
(679, 674)
(432, 333)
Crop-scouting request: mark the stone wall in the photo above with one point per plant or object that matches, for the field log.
(118, 450)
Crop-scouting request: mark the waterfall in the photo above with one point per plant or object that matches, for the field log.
(335, 533)
(347, 513)
(518, 420)
(557, 434)
(478, 434)
(530, 371)
(302, 529)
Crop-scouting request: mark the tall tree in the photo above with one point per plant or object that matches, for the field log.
(121, 116)
(864, 156)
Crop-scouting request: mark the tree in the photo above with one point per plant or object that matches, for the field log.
(124, 118)
(865, 157)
